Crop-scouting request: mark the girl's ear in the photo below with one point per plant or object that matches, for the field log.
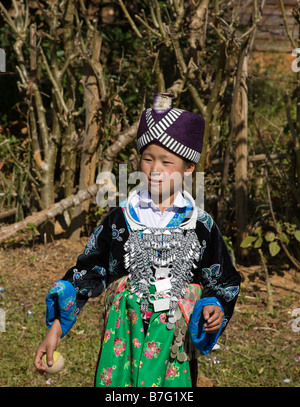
(189, 167)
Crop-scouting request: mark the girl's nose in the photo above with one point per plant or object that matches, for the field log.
(155, 169)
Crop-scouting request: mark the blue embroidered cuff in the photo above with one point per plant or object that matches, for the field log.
(200, 339)
(61, 304)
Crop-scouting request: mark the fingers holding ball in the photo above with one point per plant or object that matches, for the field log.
(58, 363)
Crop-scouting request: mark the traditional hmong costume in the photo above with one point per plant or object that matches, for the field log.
(153, 276)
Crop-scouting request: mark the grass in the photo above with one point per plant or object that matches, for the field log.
(259, 353)
(257, 349)
(24, 333)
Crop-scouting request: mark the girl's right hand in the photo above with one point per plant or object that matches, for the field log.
(48, 346)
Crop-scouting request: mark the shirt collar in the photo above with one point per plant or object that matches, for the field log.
(144, 200)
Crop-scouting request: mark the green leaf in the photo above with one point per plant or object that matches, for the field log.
(258, 231)
(284, 238)
(297, 235)
(274, 248)
(270, 237)
(228, 242)
(247, 242)
(32, 227)
(258, 243)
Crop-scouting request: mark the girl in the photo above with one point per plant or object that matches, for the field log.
(156, 255)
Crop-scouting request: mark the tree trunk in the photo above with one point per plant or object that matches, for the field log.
(241, 156)
(297, 135)
(198, 28)
(69, 139)
(234, 122)
(90, 140)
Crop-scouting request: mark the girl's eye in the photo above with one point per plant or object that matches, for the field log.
(167, 162)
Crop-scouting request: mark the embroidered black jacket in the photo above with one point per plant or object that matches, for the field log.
(102, 261)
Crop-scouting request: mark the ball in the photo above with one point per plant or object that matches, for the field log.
(58, 363)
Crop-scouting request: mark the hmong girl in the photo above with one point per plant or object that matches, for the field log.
(170, 283)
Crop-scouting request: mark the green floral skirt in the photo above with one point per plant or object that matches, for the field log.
(131, 358)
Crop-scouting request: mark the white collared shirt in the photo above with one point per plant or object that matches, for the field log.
(150, 215)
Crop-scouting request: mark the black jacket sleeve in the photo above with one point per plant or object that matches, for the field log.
(218, 275)
(89, 275)
(102, 260)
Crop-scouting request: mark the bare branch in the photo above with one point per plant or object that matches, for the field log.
(49, 213)
(148, 26)
(67, 63)
(218, 32)
(286, 26)
(54, 83)
(152, 12)
(132, 23)
(123, 140)
(159, 20)
(8, 19)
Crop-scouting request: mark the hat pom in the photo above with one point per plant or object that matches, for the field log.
(162, 102)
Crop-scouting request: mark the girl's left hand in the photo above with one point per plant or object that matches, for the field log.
(214, 318)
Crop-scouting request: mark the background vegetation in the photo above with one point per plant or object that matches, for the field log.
(80, 73)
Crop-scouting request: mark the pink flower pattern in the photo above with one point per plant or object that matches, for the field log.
(107, 335)
(106, 376)
(116, 302)
(152, 350)
(163, 318)
(119, 346)
(172, 371)
(136, 343)
(132, 315)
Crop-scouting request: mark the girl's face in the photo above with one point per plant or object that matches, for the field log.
(164, 171)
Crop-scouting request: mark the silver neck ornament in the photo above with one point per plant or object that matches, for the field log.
(160, 261)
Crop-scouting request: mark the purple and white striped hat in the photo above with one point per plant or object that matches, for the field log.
(178, 130)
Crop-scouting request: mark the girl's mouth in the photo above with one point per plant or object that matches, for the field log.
(155, 181)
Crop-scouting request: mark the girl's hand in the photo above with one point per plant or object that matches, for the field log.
(214, 318)
(48, 346)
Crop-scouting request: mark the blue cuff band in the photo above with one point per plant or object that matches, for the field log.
(200, 339)
(61, 304)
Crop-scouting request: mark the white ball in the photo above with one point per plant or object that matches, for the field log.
(58, 363)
